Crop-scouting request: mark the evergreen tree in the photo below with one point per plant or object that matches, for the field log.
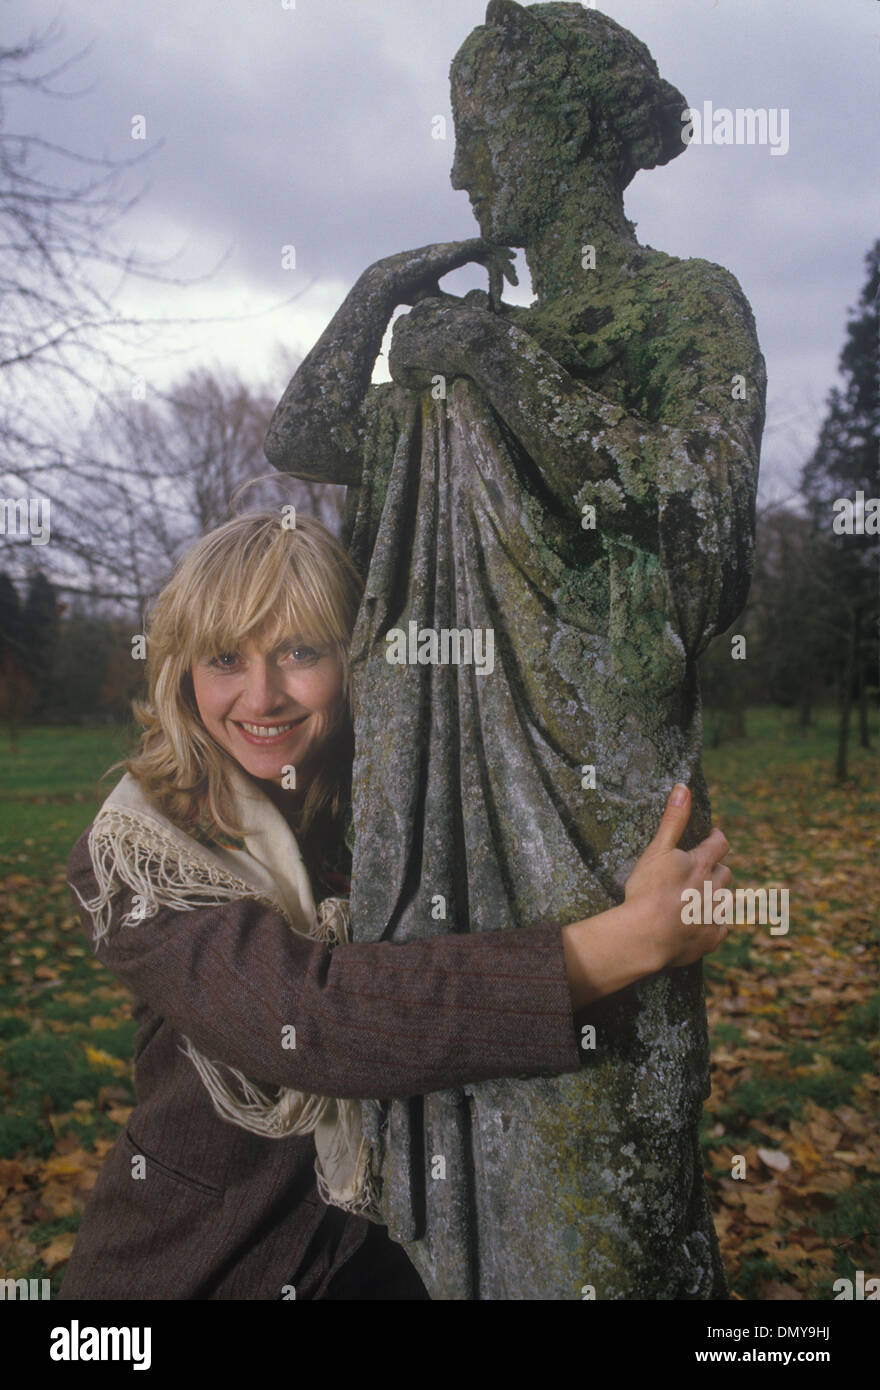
(14, 681)
(10, 615)
(839, 482)
(39, 638)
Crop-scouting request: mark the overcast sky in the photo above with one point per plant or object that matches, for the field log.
(312, 126)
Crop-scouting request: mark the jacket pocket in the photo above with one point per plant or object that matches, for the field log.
(137, 1150)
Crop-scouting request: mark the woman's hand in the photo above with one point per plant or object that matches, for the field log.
(654, 888)
(645, 933)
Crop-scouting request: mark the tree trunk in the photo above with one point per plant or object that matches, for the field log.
(736, 722)
(864, 727)
(841, 769)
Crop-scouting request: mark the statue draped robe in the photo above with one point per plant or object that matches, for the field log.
(474, 812)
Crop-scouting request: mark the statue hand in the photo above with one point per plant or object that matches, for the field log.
(412, 276)
(436, 338)
(498, 260)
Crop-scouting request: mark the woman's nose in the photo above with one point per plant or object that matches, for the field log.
(264, 691)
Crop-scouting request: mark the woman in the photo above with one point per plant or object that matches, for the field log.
(579, 478)
(198, 882)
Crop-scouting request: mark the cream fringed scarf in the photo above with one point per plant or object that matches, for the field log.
(132, 844)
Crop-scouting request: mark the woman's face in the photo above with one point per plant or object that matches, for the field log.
(271, 704)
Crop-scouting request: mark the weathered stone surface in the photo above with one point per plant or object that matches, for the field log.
(614, 390)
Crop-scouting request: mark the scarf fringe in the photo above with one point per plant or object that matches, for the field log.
(130, 850)
(125, 853)
(365, 1203)
(289, 1112)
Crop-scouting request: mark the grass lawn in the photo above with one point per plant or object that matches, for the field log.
(50, 789)
(790, 1132)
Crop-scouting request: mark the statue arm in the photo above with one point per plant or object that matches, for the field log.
(317, 429)
(575, 435)
(682, 491)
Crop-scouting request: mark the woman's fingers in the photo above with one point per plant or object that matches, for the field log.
(710, 851)
(713, 946)
(675, 819)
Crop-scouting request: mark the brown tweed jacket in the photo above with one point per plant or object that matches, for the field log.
(225, 1214)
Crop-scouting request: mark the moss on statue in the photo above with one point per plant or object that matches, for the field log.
(610, 396)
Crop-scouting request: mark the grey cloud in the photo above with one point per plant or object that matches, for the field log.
(312, 126)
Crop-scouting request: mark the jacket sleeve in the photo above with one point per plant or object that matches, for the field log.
(378, 1020)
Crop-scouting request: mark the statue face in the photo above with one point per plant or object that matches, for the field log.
(515, 145)
(474, 171)
(506, 162)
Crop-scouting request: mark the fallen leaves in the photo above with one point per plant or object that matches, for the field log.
(102, 1061)
(775, 1159)
(794, 1058)
(52, 990)
(40, 1194)
(58, 1251)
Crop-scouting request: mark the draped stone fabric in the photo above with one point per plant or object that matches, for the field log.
(474, 812)
(583, 488)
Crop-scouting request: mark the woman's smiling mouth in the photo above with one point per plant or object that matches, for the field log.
(268, 733)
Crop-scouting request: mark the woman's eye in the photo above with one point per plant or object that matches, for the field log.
(225, 661)
(303, 655)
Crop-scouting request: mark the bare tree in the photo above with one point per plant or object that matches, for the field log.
(128, 481)
(59, 274)
(154, 475)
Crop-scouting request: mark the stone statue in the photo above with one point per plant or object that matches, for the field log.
(553, 509)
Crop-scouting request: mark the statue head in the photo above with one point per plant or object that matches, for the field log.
(544, 96)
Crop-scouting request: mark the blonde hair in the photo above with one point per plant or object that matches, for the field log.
(232, 583)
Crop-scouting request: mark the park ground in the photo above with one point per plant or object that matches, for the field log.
(791, 1132)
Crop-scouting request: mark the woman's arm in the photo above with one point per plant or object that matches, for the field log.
(383, 1020)
(316, 428)
(377, 1020)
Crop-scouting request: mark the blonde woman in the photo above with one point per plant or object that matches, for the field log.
(214, 884)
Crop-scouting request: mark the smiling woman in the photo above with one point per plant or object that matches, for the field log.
(214, 883)
(248, 654)
(271, 705)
